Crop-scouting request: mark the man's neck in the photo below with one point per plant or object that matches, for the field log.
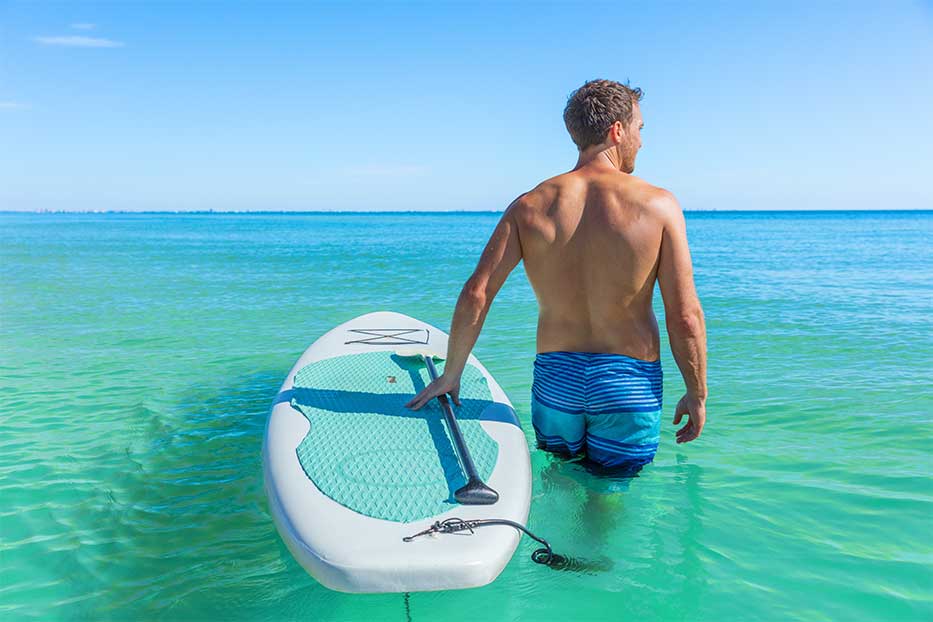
(597, 158)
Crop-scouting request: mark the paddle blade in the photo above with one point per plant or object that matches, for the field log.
(476, 493)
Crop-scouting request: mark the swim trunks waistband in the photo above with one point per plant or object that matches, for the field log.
(592, 356)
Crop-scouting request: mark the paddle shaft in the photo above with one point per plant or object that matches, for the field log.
(465, 458)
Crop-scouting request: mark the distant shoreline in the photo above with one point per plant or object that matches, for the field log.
(427, 212)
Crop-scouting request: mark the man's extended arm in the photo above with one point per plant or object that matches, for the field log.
(684, 316)
(501, 255)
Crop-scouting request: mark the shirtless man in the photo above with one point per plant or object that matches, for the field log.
(594, 241)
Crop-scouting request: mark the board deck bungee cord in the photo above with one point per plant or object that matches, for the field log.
(352, 475)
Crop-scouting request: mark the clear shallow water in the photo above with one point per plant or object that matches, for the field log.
(139, 355)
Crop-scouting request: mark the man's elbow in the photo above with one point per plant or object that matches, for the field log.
(687, 322)
(474, 294)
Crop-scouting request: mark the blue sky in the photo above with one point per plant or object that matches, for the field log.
(236, 106)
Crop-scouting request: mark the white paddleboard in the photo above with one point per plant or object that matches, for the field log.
(349, 472)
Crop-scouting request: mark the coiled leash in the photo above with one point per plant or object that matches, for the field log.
(543, 555)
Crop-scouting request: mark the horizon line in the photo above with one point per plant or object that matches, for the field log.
(271, 212)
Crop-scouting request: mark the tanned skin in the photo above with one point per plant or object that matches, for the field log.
(594, 241)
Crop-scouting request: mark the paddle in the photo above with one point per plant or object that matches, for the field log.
(475, 492)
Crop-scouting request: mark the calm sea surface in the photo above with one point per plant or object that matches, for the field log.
(139, 355)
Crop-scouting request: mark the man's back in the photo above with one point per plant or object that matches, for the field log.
(594, 241)
(590, 242)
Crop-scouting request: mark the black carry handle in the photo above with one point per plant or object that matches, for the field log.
(475, 492)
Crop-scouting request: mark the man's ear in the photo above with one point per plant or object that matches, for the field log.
(616, 132)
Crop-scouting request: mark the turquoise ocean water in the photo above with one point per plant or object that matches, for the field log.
(139, 355)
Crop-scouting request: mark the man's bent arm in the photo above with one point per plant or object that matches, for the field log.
(499, 258)
(684, 315)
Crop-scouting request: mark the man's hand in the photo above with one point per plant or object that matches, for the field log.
(442, 385)
(695, 409)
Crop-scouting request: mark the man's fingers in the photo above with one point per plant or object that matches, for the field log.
(418, 401)
(679, 412)
(430, 392)
(427, 394)
(424, 399)
(689, 432)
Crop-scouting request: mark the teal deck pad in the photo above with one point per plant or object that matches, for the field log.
(368, 452)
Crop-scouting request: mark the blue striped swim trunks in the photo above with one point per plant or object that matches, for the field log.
(605, 405)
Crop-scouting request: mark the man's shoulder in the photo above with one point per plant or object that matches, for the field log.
(635, 189)
(655, 199)
(539, 197)
(545, 191)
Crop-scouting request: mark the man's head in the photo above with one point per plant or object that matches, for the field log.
(605, 114)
